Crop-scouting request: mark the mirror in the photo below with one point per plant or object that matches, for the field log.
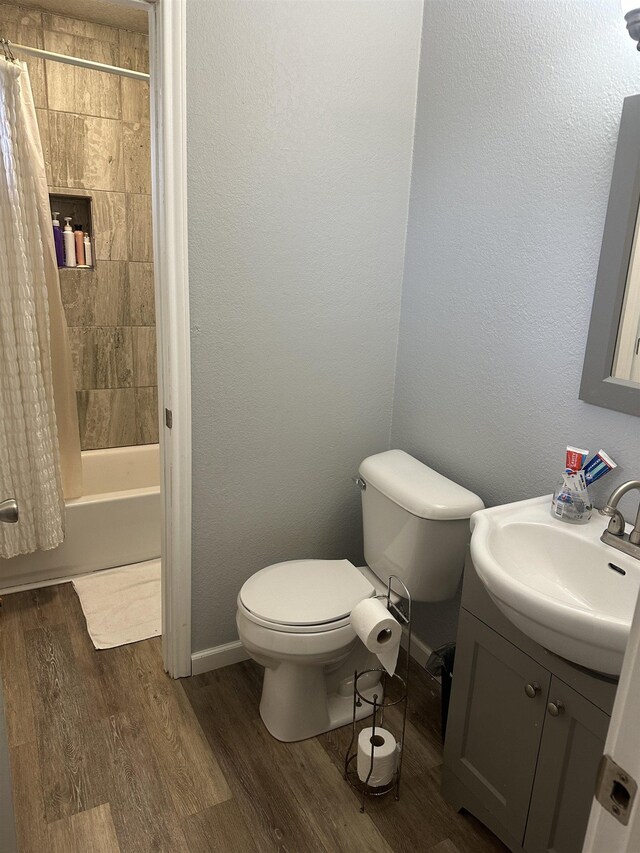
(611, 372)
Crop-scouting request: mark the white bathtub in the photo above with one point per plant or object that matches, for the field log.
(115, 523)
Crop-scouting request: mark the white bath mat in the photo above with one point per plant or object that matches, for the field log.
(121, 605)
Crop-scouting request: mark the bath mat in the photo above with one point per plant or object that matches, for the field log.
(121, 605)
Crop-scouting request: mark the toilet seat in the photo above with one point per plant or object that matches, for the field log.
(304, 596)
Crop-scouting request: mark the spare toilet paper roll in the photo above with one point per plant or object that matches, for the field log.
(378, 630)
(385, 756)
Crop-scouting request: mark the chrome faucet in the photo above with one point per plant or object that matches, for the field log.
(9, 511)
(615, 533)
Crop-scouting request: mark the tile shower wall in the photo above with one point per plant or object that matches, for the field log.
(96, 137)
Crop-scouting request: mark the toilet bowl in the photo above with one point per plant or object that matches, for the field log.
(293, 618)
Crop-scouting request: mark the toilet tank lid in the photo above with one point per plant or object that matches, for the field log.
(417, 488)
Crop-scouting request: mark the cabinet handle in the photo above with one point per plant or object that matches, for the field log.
(532, 689)
(555, 708)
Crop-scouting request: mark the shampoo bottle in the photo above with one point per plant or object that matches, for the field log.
(88, 254)
(79, 237)
(57, 239)
(69, 244)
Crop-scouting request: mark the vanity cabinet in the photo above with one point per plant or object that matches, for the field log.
(525, 733)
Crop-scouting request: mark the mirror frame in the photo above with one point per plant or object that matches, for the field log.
(598, 386)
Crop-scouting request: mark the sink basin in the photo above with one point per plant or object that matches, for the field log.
(557, 582)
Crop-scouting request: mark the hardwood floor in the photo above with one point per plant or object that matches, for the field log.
(108, 754)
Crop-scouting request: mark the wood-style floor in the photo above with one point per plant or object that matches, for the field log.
(108, 754)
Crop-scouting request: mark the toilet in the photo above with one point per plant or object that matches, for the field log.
(293, 618)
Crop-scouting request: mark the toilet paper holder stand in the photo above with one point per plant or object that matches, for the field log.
(400, 608)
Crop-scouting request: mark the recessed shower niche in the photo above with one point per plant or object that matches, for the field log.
(78, 209)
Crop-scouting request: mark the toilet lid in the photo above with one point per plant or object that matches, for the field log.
(305, 592)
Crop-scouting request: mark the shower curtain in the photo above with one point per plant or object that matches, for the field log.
(39, 444)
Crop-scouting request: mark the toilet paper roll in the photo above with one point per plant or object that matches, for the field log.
(385, 756)
(378, 630)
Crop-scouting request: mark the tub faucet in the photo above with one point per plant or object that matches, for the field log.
(9, 511)
(615, 533)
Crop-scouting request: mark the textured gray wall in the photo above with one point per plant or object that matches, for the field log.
(518, 111)
(300, 128)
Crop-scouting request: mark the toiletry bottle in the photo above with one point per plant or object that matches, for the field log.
(79, 236)
(57, 239)
(88, 254)
(69, 244)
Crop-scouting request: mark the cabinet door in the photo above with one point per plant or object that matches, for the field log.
(565, 783)
(494, 727)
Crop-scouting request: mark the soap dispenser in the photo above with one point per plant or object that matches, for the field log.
(57, 239)
(69, 244)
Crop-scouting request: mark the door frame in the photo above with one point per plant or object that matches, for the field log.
(167, 67)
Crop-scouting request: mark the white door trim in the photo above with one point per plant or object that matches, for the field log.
(167, 65)
(167, 57)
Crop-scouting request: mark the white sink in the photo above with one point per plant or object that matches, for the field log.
(555, 582)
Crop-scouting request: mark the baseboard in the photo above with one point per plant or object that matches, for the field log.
(420, 651)
(230, 653)
(217, 657)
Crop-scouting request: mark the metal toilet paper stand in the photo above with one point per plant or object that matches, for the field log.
(401, 611)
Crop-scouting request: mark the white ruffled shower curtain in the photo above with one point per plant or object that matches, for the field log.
(35, 364)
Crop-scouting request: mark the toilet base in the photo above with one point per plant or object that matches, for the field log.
(297, 707)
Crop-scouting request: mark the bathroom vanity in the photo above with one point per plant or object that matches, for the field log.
(525, 733)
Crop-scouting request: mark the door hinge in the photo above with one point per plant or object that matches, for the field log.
(615, 789)
(168, 418)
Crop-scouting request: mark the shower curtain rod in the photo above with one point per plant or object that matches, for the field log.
(75, 60)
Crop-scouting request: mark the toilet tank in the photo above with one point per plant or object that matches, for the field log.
(415, 524)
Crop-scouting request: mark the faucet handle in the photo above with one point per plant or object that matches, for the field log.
(617, 524)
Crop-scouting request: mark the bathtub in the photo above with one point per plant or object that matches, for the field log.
(115, 523)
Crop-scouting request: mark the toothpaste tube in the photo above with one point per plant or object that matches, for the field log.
(598, 466)
(575, 458)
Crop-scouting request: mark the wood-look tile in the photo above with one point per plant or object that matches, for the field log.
(41, 608)
(137, 157)
(147, 425)
(193, 776)
(102, 357)
(142, 311)
(219, 829)
(274, 820)
(141, 810)
(134, 50)
(42, 117)
(81, 90)
(110, 226)
(294, 813)
(107, 418)
(145, 369)
(445, 846)
(13, 658)
(77, 27)
(136, 103)
(149, 761)
(91, 664)
(28, 799)
(66, 748)
(91, 830)
(139, 228)
(87, 151)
